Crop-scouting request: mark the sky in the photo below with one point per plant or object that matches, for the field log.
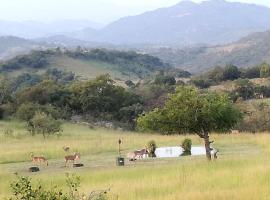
(101, 11)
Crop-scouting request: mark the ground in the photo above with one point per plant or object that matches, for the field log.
(241, 172)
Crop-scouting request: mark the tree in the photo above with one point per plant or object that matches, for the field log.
(253, 72)
(188, 111)
(100, 96)
(244, 88)
(265, 70)
(44, 124)
(5, 90)
(162, 79)
(26, 111)
(201, 82)
(231, 72)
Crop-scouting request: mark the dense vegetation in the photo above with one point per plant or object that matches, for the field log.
(56, 94)
(242, 86)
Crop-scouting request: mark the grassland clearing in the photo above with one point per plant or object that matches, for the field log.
(241, 172)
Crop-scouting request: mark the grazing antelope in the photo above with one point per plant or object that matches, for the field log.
(72, 158)
(38, 159)
(138, 153)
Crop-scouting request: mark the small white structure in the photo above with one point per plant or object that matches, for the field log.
(172, 152)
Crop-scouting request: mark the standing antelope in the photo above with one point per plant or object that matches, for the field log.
(72, 158)
(38, 159)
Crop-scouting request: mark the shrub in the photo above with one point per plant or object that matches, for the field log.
(44, 124)
(231, 72)
(26, 111)
(186, 145)
(151, 146)
(202, 83)
(256, 119)
(23, 189)
(265, 70)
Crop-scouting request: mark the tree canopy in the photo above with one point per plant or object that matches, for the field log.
(189, 111)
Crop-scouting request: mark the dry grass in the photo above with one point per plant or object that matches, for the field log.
(242, 172)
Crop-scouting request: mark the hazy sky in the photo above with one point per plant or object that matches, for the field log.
(102, 11)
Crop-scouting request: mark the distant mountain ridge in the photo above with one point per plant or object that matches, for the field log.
(11, 46)
(247, 52)
(34, 29)
(187, 23)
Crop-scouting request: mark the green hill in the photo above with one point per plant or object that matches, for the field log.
(87, 63)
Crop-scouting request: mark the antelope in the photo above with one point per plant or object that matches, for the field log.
(72, 158)
(140, 153)
(38, 159)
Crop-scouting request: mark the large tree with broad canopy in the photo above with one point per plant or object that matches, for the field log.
(190, 111)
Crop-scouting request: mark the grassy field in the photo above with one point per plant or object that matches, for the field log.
(87, 69)
(241, 172)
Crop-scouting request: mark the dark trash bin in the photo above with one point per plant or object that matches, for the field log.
(120, 161)
(33, 169)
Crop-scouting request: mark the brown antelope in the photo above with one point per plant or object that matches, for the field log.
(138, 153)
(72, 158)
(38, 159)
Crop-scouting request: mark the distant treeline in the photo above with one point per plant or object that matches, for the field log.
(231, 72)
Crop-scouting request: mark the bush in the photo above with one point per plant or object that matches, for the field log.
(231, 72)
(44, 124)
(164, 80)
(186, 145)
(265, 70)
(202, 83)
(23, 189)
(256, 119)
(151, 146)
(26, 111)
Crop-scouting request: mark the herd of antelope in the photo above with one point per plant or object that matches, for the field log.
(42, 159)
(132, 156)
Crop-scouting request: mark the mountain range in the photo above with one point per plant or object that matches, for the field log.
(184, 24)
(246, 52)
(190, 36)
(34, 29)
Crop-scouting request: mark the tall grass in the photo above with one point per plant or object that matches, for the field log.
(241, 172)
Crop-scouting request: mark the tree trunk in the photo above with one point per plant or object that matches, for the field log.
(207, 145)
